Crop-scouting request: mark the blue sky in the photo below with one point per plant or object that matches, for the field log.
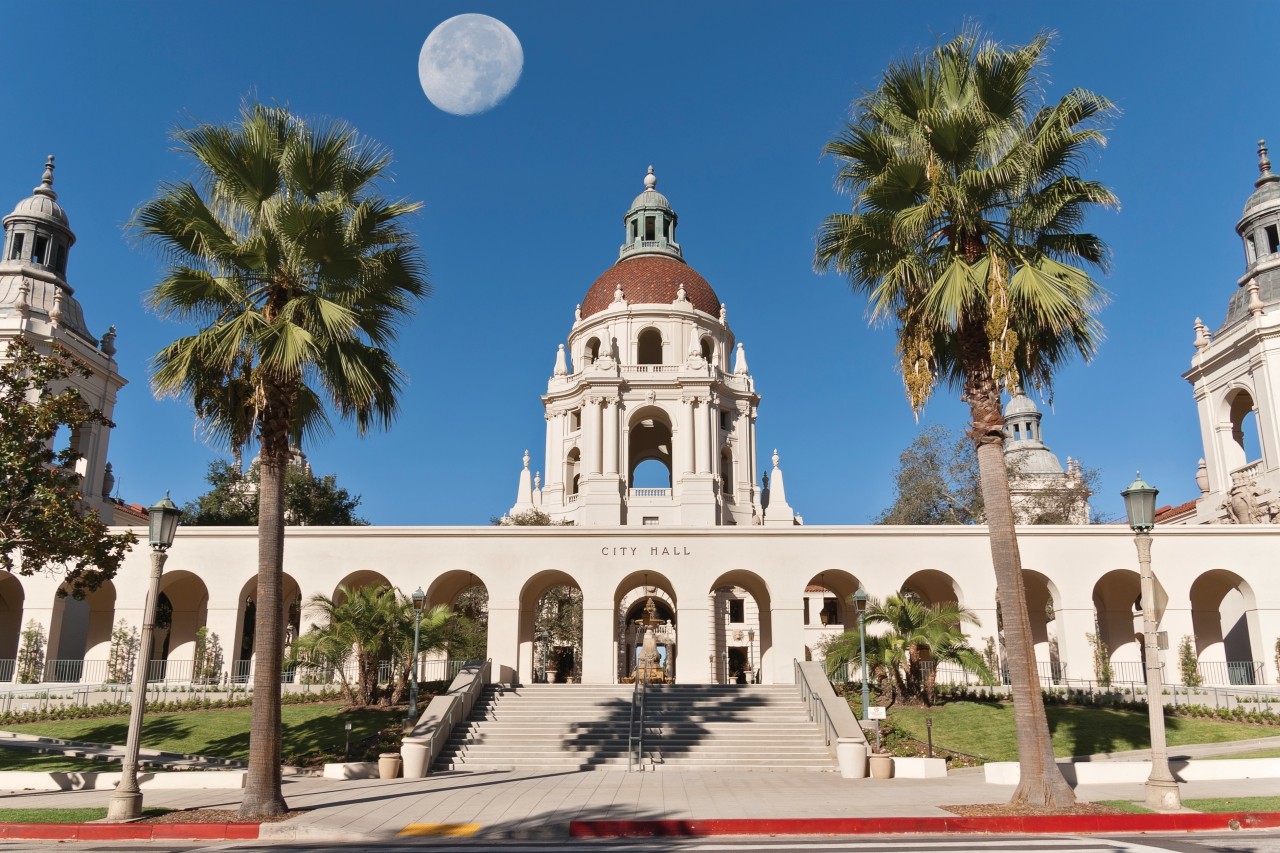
(732, 104)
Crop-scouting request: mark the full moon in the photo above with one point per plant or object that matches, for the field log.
(469, 64)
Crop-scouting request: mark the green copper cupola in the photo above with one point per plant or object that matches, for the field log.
(650, 224)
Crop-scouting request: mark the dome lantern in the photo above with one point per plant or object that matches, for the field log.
(650, 224)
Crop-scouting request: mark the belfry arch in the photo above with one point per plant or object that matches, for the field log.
(649, 440)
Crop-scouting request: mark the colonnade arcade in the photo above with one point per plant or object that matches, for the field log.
(723, 631)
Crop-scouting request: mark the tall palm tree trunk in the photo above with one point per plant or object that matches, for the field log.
(262, 795)
(1040, 780)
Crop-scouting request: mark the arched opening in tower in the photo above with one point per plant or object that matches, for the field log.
(649, 453)
(649, 347)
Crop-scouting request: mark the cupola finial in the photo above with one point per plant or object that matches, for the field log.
(1264, 165)
(46, 180)
(650, 180)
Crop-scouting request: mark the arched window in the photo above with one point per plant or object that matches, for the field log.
(593, 350)
(571, 469)
(649, 347)
(726, 472)
(1244, 431)
(708, 348)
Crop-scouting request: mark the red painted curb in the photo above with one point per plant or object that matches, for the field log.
(131, 831)
(1030, 824)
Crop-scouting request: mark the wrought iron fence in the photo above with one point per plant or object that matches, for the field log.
(1230, 672)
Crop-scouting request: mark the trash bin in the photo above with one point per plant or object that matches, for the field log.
(415, 753)
(881, 765)
(388, 765)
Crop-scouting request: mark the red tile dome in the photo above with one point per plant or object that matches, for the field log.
(650, 279)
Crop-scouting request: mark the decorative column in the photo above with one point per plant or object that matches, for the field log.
(591, 434)
(700, 440)
(686, 456)
(611, 405)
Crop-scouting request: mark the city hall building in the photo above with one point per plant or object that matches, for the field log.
(652, 379)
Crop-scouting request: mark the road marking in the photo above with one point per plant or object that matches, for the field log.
(440, 830)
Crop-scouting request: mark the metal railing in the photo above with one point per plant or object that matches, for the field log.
(635, 727)
(813, 704)
(1240, 672)
(8, 667)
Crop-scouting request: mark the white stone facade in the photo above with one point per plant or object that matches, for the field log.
(741, 588)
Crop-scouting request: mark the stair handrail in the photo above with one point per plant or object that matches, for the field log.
(635, 738)
(829, 711)
(450, 708)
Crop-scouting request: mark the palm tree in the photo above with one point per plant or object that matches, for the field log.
(966, 232)
(917, 638)
(363, 627)
(298, 273)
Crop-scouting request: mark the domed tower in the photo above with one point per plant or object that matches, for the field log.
(1041, 490)
(1235, 374)
(37, 303)
(645, 380)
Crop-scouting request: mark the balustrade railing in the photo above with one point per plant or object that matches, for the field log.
(1245, 473)
(649, 493)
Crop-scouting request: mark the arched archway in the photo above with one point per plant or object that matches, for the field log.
(828, 608)
(173, 646)
(649, 346)
(551, 627)
(80, 636)
(357, 579)
(649, 441)
(12, 598)
(468, 597)
(743, 628)
(630, 599)
(1245, 446)
(572, 472)
(1042, 608)
(932, 586)
(291, 606)
(1224, 618)
(1117, 610)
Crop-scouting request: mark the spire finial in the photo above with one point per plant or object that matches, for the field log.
(46, 180)
(1264, 165)
(526, 459)
(650, 180)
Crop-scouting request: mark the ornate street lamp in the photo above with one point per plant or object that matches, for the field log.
(860, 604)
(1140, 506)
(126, 801)
(419, 601)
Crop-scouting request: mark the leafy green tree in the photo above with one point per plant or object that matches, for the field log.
(916, 638)
(469, 632)
(363, 627)
(937, 482)
(44, 526)
(308, 500)
(297, 273)
(966, 231)
(30, 663)
(123, 653)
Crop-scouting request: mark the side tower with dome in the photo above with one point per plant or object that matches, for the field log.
(1235, 374)
(652, 380)
(1042, 491)
(37, 304)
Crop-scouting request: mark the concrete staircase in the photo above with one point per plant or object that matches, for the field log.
(688, 726)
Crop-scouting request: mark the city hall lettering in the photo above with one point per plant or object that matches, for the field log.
(653, 551)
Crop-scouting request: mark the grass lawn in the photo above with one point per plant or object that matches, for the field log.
(312, 733)
(40, 762)
(1235, 804)
(986, 729)
(65, 815)
(1257, 753)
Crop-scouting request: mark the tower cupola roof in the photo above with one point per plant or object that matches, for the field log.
(1259, 228)
(42, 204)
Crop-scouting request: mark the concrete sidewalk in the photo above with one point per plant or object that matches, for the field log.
(503, 804)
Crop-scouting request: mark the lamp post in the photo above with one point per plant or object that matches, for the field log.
(419, 601)
(751, 650)
(860, 604)
(1139, 506)
(126, 801)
